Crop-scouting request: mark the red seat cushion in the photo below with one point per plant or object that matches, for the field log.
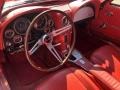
(109, 58)
(68, 79)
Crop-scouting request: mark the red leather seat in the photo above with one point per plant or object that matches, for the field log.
(68, 79)
(108, 57)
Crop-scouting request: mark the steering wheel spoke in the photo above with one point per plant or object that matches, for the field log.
(52, 49)
(61, 30)
(35, 47)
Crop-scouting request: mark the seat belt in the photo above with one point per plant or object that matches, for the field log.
(97, 71)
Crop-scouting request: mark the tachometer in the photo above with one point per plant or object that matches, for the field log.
(21, 25)
(41, 23)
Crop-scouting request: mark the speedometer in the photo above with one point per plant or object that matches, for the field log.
(21, 25)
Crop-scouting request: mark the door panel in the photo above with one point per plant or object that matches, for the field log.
(108, 22)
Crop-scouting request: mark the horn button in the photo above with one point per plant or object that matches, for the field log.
(47, 39)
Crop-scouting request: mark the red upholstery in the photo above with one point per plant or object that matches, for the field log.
(109, 58)
(68, 79)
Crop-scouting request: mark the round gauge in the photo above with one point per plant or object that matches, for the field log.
(51, 23)
(50, 26)
(9, 33)
(21, 25)
(65, 21)
(17, 39)
(41, 23)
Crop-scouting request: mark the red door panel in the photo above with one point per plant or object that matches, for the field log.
(108, 22)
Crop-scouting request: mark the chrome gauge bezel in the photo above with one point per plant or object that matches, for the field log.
(24, 20)
(65, 21)
(8, 31)
(16, 37)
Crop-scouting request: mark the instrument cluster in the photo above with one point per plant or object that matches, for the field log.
(14, 34)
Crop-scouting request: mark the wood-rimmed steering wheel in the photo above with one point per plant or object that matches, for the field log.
(48, 38)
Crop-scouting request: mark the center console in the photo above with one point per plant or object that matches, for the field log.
(78, 59)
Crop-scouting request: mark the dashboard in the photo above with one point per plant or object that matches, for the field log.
(14, 34)
(18, 20)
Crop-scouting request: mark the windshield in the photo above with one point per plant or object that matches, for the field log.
(11, 3)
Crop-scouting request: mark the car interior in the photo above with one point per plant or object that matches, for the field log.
(59, 45)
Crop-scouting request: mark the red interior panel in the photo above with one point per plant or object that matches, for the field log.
(108, 23)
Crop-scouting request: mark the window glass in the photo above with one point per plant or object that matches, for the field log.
(116, 2)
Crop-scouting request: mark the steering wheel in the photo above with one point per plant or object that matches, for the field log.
(47, 39)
